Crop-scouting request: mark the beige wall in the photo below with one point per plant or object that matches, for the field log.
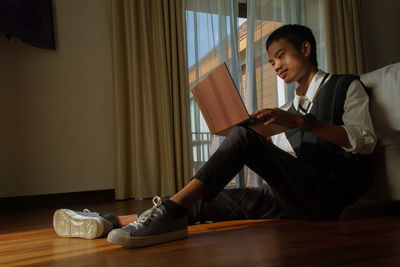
(56, 127)
(381, 22)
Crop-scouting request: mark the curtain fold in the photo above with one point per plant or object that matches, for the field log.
(345, 51)
(150, 98)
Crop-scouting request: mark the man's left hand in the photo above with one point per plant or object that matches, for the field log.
(280, 117)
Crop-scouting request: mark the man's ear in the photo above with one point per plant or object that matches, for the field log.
(306, 48)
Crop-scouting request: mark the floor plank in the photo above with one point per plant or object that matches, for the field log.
(367, 234)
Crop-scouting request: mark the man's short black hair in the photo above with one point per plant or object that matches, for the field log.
(296, 35)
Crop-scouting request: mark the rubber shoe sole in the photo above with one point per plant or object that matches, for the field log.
(67, 223)
(121, 237)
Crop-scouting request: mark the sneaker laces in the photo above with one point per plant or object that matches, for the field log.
(149, 214)
(92, 212)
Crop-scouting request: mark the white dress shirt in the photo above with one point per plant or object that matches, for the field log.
(356, 117)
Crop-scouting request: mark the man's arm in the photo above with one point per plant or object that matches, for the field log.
(332, 133)
(357, 120)
(357, 135)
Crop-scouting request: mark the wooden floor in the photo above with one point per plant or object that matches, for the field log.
(367, 234)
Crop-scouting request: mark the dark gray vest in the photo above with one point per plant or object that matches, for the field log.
(350, 171)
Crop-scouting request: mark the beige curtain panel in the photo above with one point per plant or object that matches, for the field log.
(344, 46)
(151, 98)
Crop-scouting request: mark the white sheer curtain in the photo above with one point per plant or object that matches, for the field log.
(215, 34)
(211, 29)
(211, 36)
(263, 16)
(262, 87)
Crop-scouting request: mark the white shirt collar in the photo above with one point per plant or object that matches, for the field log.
(312, 88)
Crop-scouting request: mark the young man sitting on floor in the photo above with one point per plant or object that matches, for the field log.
(330, 133)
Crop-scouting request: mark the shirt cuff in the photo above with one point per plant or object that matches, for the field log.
(361, 141)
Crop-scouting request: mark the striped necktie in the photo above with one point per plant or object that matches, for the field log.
(304, 104)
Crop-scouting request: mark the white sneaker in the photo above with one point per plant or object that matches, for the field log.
(86, 224)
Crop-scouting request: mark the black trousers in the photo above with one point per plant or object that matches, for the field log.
(238, 204)
(294, 188)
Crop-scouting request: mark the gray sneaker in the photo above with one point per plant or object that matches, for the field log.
(154, 226)
(86, 224)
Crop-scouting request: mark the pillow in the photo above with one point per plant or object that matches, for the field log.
(384, 84)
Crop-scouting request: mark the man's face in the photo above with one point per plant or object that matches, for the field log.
(288, 63)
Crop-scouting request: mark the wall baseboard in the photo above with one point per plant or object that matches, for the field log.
(56, 200)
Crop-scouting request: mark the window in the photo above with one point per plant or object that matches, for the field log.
(204, 54)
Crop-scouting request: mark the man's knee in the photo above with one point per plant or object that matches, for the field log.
(238, 130)
(242, 132)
